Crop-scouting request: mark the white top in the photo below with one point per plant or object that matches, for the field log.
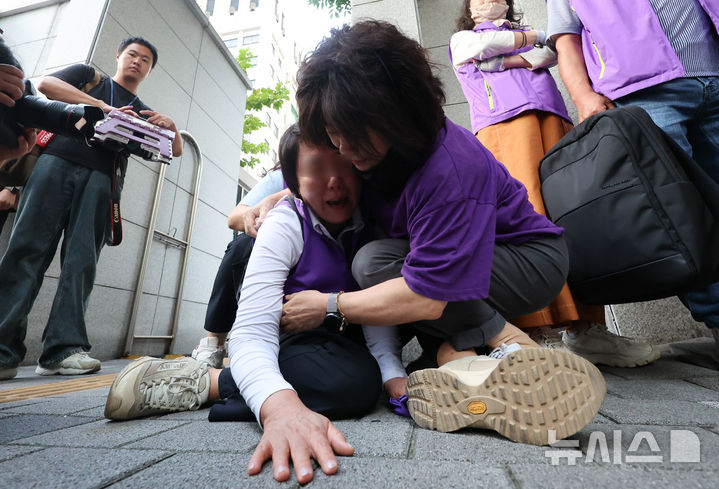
(466, 46)
(254, 340)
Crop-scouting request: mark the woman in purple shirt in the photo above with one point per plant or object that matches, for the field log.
(464, 247)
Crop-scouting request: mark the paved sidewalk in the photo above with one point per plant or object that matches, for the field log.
(668, 411)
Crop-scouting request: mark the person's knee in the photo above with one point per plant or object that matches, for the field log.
(239, 249)
(378, 261)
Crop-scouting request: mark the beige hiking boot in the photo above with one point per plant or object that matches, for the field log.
(522, 396)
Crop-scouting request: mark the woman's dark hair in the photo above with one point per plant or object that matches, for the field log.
(465, 22)
(370, 76)
(141, 41)
(289, 150)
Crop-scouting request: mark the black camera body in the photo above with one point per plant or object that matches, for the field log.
(41, 113)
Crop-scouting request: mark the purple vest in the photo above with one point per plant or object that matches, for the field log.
(322, 265)
(496, 97)
(624, 46)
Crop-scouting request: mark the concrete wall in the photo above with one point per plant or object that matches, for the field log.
(198, 84)
(432, 22)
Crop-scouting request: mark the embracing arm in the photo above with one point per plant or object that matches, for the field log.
(386, 304)
(573, 70)
(248, 219)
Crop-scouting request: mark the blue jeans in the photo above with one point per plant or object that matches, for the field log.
(60, 196)
(687, 109)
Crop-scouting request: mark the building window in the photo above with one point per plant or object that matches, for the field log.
(253, 60)
(234, 5)
(282, 24)
(277, 9)
(268, 119)
(210, 7)
(253, 3)
(253, 39)
(274, 156)
(273, 49)
(272, 71)
(231, 43)
(275, 130)
(241, 191)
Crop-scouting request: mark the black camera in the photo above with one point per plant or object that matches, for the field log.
(41, 113)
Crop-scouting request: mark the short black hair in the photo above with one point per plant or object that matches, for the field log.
(289, 151)
(371, 76)
(138, 40)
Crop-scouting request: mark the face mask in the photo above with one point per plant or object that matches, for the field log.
(489, 11)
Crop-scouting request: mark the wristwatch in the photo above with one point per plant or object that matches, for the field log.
(334, 317)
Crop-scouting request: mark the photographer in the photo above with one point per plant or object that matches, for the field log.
(11, 89)
(68, 195)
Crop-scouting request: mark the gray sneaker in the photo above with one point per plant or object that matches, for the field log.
(595, 343)
(76, 364)
(7, 373)
(150, 386)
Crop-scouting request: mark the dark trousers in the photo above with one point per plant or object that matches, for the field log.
(3, 218)
(333, 375)
(222, 307)
(61, 199)
(524, 278)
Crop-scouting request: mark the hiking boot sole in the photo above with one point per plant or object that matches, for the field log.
(530, 393)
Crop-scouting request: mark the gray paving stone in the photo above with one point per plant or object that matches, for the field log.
(662, 369)
(381, 439)
(68, 467)
(203, 436)
(673, 413)
(199, 415)
(573, 477)
(415, 474)
(23, 425)
(678, 390)
(58, 405)
(104, 433)
(483, 447)
(677, 447)
(216, 471)
(96, 413)
(6, 406)
(8, 451)
(708, 382)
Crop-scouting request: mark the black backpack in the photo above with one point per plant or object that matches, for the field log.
(641, 218)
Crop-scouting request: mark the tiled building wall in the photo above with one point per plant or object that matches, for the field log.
(198, 85)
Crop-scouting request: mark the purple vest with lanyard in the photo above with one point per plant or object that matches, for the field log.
(496, 97)
(322, 265)
(624, 46)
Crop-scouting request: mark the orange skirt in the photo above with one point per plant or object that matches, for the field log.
(520, 143)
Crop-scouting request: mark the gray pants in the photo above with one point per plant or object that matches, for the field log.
(524, 279)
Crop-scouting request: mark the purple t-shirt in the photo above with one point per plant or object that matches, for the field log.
(452, 210)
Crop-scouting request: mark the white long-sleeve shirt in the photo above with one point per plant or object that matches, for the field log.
(254, 340)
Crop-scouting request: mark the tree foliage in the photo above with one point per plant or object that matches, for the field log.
(256, 101)
(336, 7)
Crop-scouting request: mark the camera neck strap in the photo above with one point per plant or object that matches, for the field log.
(112, 94)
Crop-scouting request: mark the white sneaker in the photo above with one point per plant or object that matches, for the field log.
(210, 352)
(76, 364)
(523, 396)
(547, 337)
(595, 343)
(7, 373)
(504, 350)
(151, 386)
(715, 354)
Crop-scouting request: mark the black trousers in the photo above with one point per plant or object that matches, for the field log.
(222, 307)
(333, 375)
